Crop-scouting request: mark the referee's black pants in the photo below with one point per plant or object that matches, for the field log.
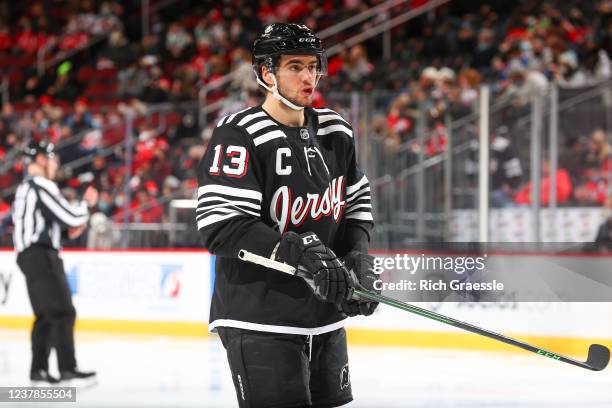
(52, 304)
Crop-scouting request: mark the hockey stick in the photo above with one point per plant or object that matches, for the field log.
(597, 359)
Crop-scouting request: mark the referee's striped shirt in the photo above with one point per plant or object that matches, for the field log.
(40, 212)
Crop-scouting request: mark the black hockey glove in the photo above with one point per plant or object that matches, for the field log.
(317, 264)
(362, 266)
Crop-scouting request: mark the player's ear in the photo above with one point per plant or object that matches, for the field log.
(266, 75)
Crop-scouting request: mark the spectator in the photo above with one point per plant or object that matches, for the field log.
(357, 67)
(598, 150)
(74, 36)
(469, 84)
(563, 186)
(485, 50)
(399, 117)
(101, 234)
(27, 41)
(65, 86)
(81, 118)
(523, 84)
(9, 118)
(593, 188)
(150, 210)
(179, 43)
(5, 208)
(156, 90)
(118, 54)
(133, 79)
(170, 189)
(242, 69)
(6, 40)
(505, 165)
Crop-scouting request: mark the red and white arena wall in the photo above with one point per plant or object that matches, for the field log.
(168, 293)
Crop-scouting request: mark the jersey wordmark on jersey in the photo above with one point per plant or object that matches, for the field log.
(259, 179)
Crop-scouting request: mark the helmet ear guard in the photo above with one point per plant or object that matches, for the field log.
(268, 62)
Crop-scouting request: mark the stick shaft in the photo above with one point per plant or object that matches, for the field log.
(469, 327)
(360, 293)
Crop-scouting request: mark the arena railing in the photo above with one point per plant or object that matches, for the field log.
(440, 180)
(418, 197)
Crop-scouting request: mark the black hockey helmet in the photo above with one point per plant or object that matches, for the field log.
(34, 148)
(288, 39)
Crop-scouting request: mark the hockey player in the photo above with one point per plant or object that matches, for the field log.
(280, 180)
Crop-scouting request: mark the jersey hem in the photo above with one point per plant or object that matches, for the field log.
(239, 324)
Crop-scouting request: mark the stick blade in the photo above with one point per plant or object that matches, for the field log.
(598, 357)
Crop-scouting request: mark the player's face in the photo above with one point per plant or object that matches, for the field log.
(297, 77)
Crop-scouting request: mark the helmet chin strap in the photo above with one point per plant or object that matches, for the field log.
(277, 95)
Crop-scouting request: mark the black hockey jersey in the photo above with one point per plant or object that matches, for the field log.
(259, 179)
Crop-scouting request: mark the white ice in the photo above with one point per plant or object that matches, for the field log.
(148, 371)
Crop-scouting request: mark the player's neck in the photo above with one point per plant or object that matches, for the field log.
(282, 113)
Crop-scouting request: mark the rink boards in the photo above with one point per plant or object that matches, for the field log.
(168, 292)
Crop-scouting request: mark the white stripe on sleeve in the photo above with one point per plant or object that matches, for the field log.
(211, 219)
(275, 134)
(334, 128)
(231, 202)
(231, 191)
(360, 195)
(351, 189)
(364, 216)
(260, 125)
(221, 208)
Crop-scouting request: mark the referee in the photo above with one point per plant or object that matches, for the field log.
(40, 214)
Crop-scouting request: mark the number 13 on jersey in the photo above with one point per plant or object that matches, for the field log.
(238, 158)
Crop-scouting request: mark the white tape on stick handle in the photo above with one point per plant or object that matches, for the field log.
(267, 262)
(279, 266)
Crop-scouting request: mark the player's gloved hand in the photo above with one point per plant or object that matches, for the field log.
(362, 267)
(317, 264)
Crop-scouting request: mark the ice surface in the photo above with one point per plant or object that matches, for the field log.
(151, 371)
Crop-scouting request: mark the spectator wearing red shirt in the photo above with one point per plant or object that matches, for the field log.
(563, 185)
(594, 187)
(4, 207)
(150, 210)
(27, 41)
(6, 41)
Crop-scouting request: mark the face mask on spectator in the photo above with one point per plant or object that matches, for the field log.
(525, 46)
(103, 206)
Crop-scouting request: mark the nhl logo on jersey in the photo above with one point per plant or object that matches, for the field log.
(304, 134)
